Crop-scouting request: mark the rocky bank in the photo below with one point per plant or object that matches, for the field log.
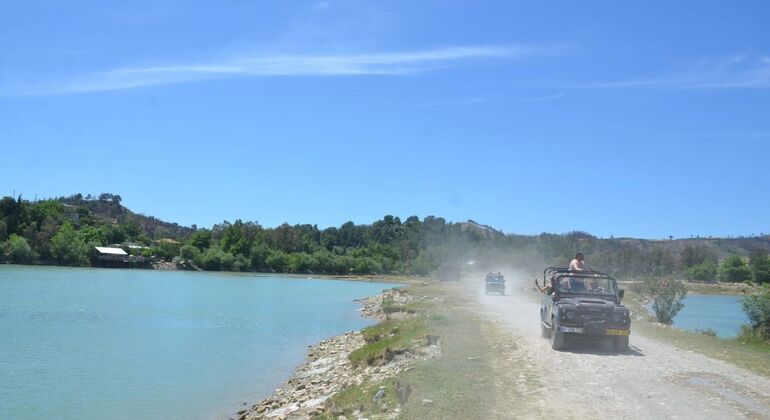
(328, 370)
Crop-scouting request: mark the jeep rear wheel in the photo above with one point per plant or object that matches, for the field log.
(620, 344)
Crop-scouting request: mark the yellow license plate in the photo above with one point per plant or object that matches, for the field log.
(617, 332)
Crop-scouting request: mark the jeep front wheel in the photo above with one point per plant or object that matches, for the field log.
(620, 344)
(558, 339)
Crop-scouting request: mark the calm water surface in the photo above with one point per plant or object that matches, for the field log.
(142, 344)
(721, 313)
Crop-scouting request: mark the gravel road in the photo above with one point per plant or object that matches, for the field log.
(654, 380)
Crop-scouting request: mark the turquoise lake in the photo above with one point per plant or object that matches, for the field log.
(721, 313)
(143, 344)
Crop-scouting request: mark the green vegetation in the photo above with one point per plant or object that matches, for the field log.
(708, 331)
(388, 337)
(17, 250)
(757, 308)
(65, 230)
(705, 271)
(666, 295)
(734, 269)
(465, 382)
(759, 264)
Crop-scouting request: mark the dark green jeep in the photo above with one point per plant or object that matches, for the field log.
(494, 282)
(583, 304)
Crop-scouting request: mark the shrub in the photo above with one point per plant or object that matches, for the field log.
(757, 309)
(708, 331)
(68, 247)
(241, 263)
(705, 271)
(759, 264)
(217, 260)
(734, 269)
(17, 250)
(276, 261)
(666, 295)
(749, 336)
(189, 252)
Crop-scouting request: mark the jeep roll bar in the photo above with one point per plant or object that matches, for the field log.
(552, 271)
(583, 275)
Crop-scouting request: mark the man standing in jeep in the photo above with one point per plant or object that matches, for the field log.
(578, 264)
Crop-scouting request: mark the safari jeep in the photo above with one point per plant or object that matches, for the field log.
(494, 282)
(583, 304)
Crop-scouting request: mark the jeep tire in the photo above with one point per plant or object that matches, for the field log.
(558, 339)
(620, 344)
(544, 332)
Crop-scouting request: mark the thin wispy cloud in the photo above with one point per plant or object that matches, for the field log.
(742, 71)
(284, 65)
(477, 100)
(541, 98)
(456, 102)
(320, 6)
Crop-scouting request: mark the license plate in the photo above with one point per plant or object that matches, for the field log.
(617, 332)
(571, 329)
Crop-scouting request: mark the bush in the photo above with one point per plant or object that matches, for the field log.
(666, 295)
(241, 263)
(259, 254)
(757, 309)
(705, 271)
(17, 250)
(68, 247)
(211, 260)
(166, 250)
(759, 264)
(708, 331)
(749, 336)
(276, 261)
(227, 261)
(734, 269)
(189, 252)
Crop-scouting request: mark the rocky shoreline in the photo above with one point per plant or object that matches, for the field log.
(328, 370)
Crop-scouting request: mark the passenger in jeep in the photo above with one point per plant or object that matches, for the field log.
(594, 287)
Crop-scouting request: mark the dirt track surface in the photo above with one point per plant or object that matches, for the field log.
(654, 380)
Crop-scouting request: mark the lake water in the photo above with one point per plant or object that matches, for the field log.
(142, 344)
(721, 313)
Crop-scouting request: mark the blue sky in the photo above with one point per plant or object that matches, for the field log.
(643, 119)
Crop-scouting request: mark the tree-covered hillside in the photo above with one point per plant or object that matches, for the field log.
(65, 230)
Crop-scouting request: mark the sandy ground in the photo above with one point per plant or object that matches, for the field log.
(654, 380)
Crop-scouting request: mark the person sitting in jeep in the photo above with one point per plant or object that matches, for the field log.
(593, 286)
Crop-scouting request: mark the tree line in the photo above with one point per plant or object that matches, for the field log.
(65, 231)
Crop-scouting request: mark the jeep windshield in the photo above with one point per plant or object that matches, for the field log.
(586, 284)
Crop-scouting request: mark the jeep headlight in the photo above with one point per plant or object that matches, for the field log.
(571, 315)
(617, 317)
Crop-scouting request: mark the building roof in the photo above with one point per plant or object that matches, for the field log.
(110, 251)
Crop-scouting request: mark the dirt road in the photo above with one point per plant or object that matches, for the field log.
(654, 380)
